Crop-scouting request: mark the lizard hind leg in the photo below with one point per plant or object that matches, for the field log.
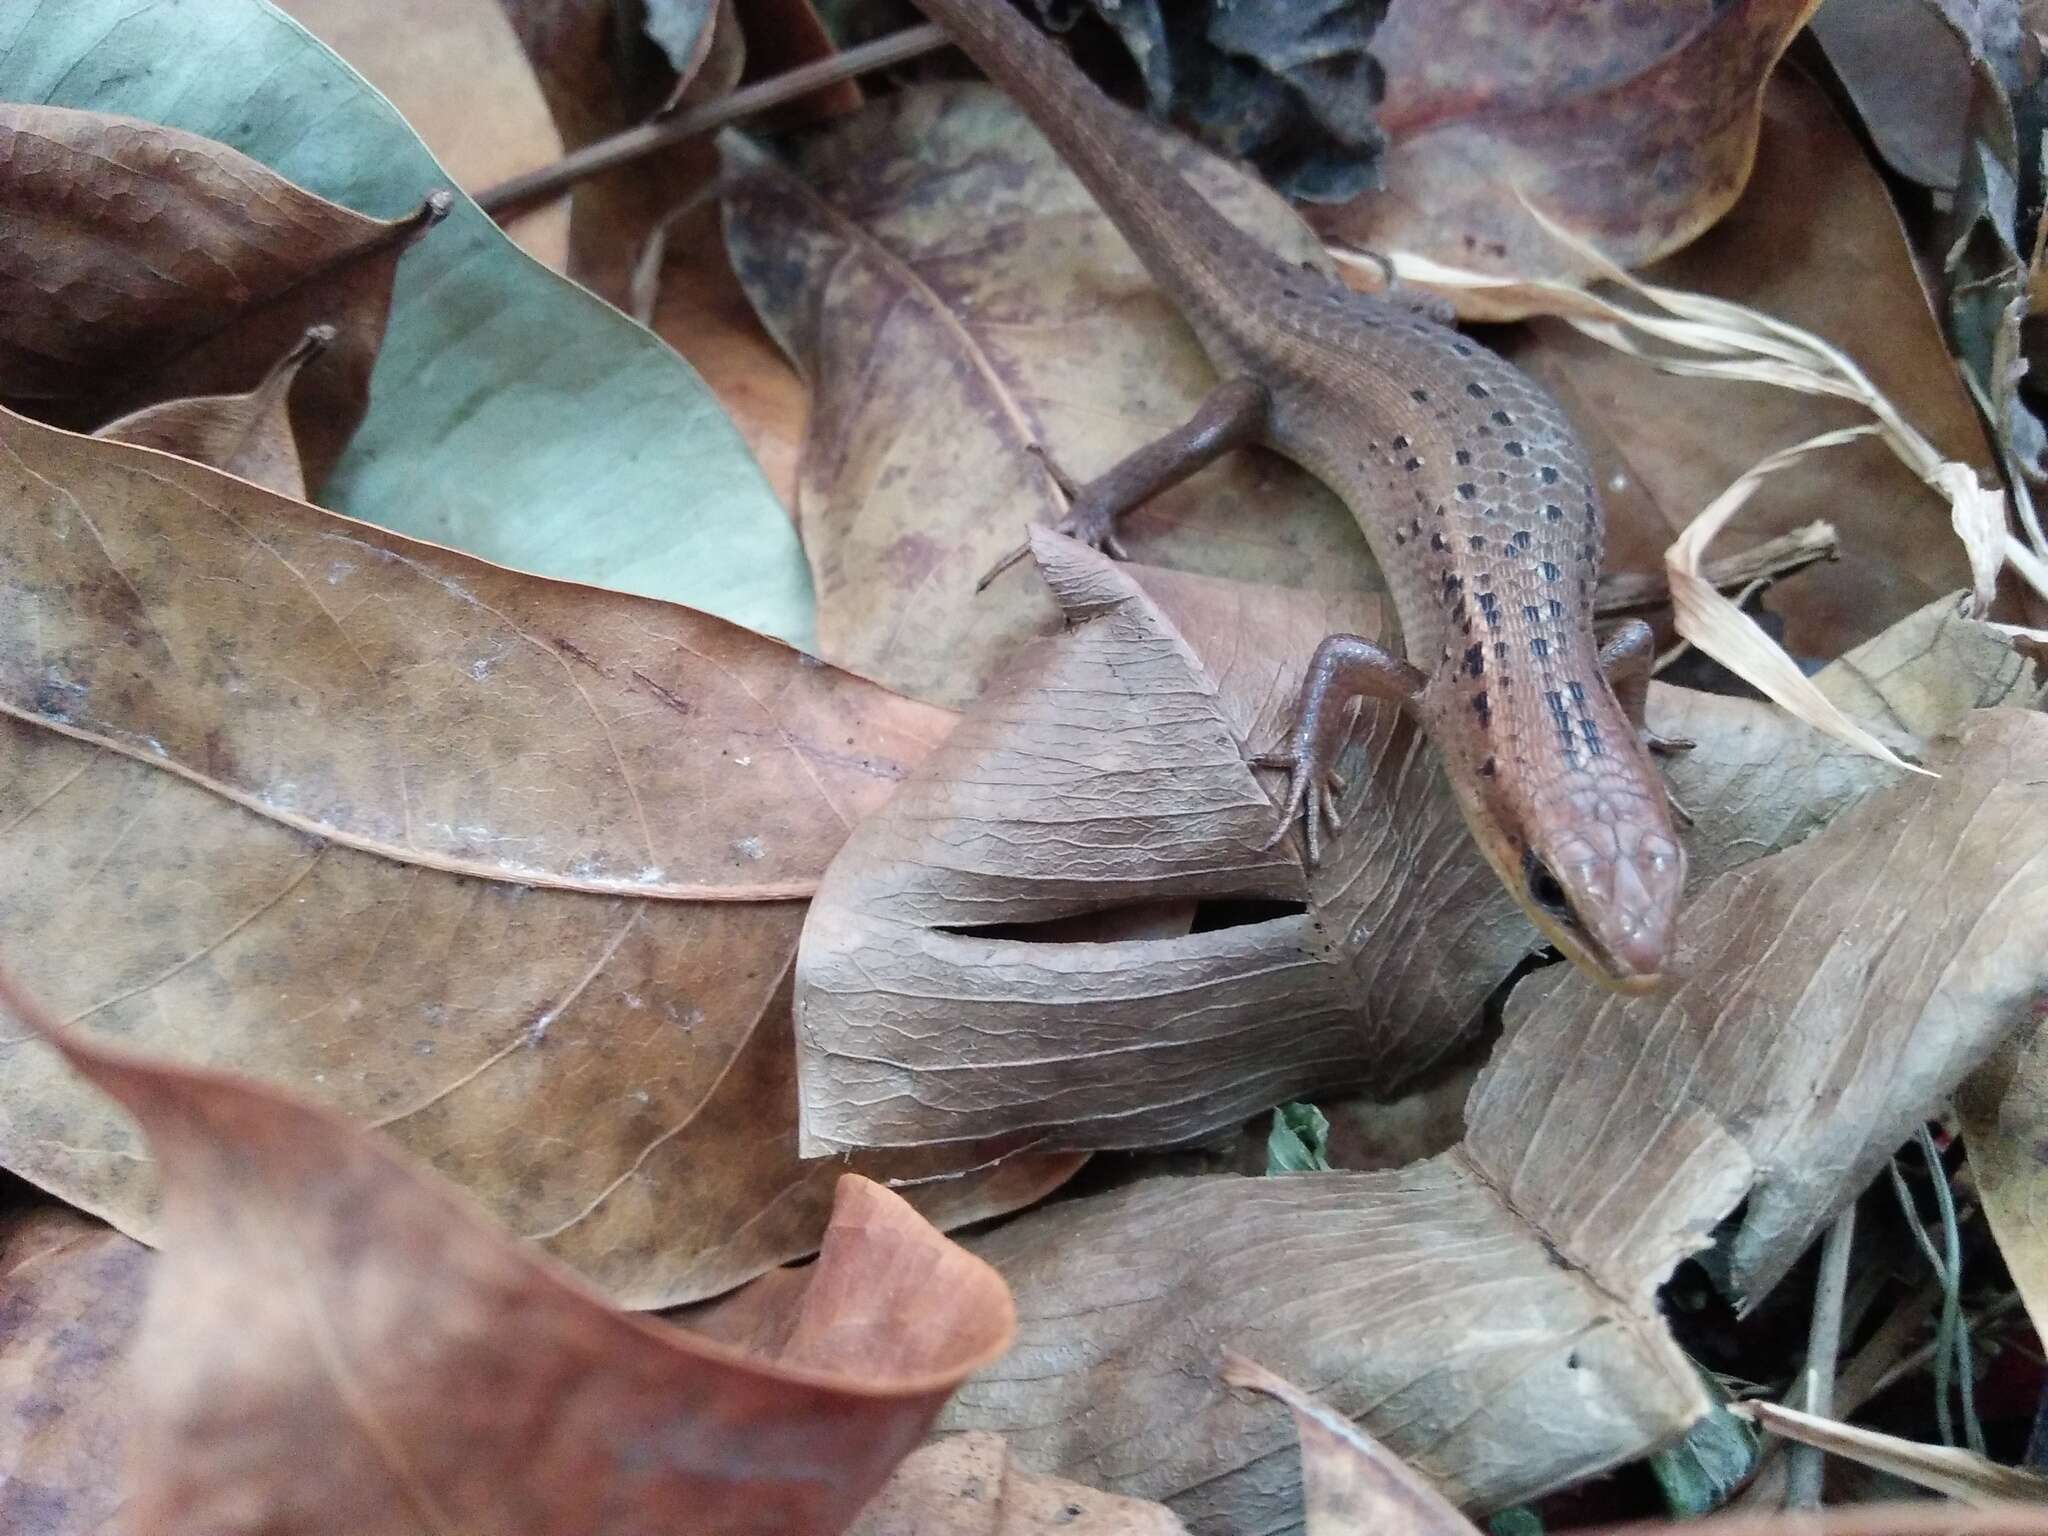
(1344, 670)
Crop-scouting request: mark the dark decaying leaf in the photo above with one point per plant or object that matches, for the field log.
(141, 264)
(1915, 115)
(1290, 87)
(1489, 1314)
(954, 298)
(248, 435)
(1633, 127)
(292, 782)
(336, 1342)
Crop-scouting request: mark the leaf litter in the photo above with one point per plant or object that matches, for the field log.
(1604, 1139)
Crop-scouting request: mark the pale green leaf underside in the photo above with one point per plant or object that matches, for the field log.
(512, 414)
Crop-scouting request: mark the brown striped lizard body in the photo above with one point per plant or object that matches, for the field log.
(1474, 495)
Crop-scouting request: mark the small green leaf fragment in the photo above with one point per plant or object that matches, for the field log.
(1299, 1142)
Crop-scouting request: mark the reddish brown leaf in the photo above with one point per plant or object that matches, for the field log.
(338, 1342)
(141, 263)
(247, 435)
(1632, 126)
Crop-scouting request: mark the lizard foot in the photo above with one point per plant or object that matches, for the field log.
(1312, 791)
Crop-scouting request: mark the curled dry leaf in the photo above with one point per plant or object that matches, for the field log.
(71, 1294)
(339, 1342)
(1946, 1469)
(1664, 446)
(969, 1485)
(956, 299)
(1632, 126)
(1760, 780)
(512, 415)
(1108, 767)
(247, 435)
(309, 848)
(141, 264)
(1351, 1484)
(1826, 997)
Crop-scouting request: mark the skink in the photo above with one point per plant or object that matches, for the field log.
(1473, 494)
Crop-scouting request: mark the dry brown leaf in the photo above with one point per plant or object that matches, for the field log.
(2004, 1106)
(1490, 1314)
(1107, 767)
(954, 297)
(141, 263)
(417, 703)
(1946, 1469)
(1759, 780)
(611, 1073)
(1632, 126)
(1351, 1484)
(71, 1296)
(455, 70)
(339, 1342)
(1814, 242)
(969, 1485)
(249, 435)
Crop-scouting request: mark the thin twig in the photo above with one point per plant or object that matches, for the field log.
(1623, 591)
(530, 188)
(1823, 1348)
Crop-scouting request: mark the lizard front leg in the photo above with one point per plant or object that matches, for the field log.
(1626, 656)
(1344, 669)
(1232, 415)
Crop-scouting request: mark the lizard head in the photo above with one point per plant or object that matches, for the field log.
(1594, 861)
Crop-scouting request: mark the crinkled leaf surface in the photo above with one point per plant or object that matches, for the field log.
(512, 414)
(293, 782)
(339, 1342)
(1351, 1484)
(1490, 1314)
(954, 297)
(1631, 126)
(1108, 766)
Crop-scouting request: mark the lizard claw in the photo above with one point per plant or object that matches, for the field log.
(1667, 746)
(1311, 796)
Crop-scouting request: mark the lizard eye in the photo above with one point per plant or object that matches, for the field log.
(1544, 888)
